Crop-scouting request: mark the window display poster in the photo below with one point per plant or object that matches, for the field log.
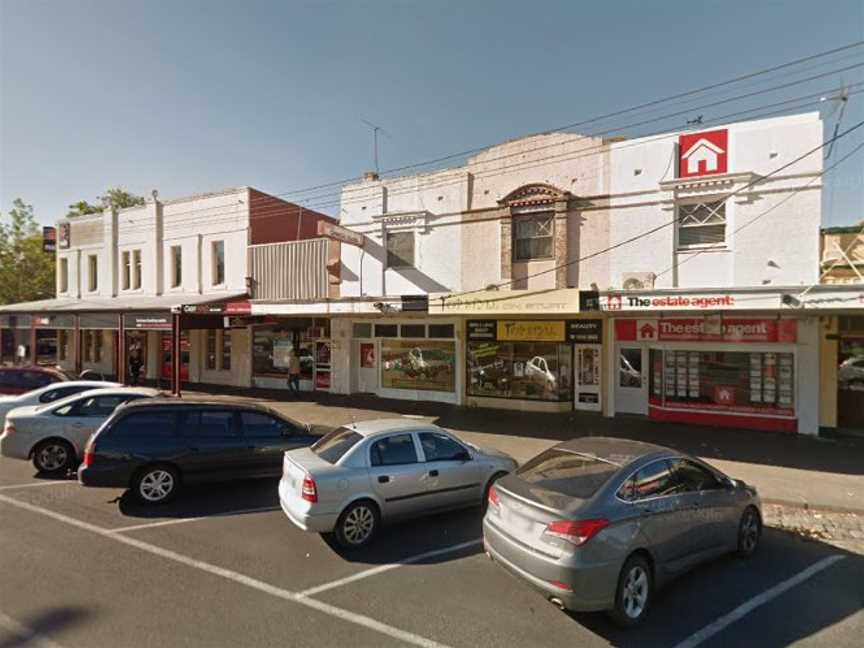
(423, 365)
(322, 353)
(367, 356)
(282, 353)
(322, 380)
(589, 366)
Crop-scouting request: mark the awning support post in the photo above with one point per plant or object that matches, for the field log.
(121, 349)
(176, 363)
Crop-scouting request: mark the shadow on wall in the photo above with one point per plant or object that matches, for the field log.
(424, 282)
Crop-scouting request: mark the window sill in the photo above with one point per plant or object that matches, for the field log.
(698, 249)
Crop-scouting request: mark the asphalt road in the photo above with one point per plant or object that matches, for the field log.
(222, 566)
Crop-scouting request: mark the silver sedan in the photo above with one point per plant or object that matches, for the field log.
(49, 394)
(361, 474)
(599, 523)
(54, 435)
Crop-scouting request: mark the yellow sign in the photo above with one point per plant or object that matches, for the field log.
(531, 331)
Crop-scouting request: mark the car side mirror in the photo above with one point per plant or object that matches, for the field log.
(464, 456)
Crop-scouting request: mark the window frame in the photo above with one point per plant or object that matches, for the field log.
(92, 273)
(217, 265)
(126, 263)
(668, 461)
(534, 217)
(176, 254)
(392, 435)
(136, 269)
(721, 202)
(394, 261)
(436, 433)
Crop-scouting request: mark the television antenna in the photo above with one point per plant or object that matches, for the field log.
(375, 131)
(840, 99)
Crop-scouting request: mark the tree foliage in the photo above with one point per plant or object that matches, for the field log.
(26, 272)
(117, 197)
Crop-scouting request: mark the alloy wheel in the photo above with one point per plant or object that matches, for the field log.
(156, 485)
(635, 595)
(52, 457)
(749, 531)
(358, 525)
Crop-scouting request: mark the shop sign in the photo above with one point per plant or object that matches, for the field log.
(703, 154)
(150, 321)
(341, 234)
(585, 331)
(615, 302)
(707, 330)
(481, 329)
(506, 302)
(49, 239)
(415, 303)
(64, 236)
(531, 331)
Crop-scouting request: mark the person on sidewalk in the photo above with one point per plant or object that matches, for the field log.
(135, 364)
(294, 373)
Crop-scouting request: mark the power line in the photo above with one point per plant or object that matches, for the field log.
(653, 230)
(616, 113)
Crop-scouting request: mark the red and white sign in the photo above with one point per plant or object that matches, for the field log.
(238, 307)
(691, 302)
(707, 330)
(702, 154)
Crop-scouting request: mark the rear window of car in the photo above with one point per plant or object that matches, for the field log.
(333, 446)
(567, 472)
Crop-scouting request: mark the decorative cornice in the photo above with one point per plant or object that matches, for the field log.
(537, 193)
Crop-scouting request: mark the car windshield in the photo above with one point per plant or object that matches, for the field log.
(567, 472)
(333, 446)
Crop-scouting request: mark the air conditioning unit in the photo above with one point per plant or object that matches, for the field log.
(638, 280)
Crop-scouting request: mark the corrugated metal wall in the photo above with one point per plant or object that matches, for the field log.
(294, 270)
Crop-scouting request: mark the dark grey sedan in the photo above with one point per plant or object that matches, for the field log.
(599, 523)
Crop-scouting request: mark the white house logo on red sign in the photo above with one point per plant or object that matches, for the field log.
(646, 330)
(701, 154)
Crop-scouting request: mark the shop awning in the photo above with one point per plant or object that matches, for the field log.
(120, 304)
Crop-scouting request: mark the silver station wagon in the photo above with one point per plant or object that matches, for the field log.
(361, 474)
(598, 523)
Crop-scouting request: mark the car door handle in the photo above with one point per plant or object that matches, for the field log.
(383, 479)
(433, 473)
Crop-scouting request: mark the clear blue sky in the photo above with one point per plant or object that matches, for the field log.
(192, 96)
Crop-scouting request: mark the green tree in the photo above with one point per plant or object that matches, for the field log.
(116, 197)
(26, 272)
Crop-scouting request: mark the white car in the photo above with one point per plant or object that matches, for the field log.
(54, 435)
(369, 471)
(49, 394)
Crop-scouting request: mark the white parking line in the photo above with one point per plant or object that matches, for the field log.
(248, 581)
(312, 591)
(28, 636)
(53, 482)
(746, 608)
(161, 523)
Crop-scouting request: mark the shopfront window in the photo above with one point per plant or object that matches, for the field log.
(272, 347)
(850, 381)
(526, 370)
(733, 380)
(418, 364)
(211, 349)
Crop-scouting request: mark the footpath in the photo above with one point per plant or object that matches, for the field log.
(811, 485)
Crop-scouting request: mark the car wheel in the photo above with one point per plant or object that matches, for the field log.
(635, 589)
(156, 484)
(485, 503)
(749, 532)
(357, 525)
(53, 456)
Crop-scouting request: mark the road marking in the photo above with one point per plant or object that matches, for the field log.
(746, 608)
(312, 591)
(237, 577)
(161, 523)
(28, 636)
(42, 483)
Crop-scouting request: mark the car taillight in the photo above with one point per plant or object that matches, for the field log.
(494, 500)
(88, 458)
(576, 532)
(310, 491)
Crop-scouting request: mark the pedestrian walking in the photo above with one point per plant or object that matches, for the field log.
(135, 364)
(294, 373)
